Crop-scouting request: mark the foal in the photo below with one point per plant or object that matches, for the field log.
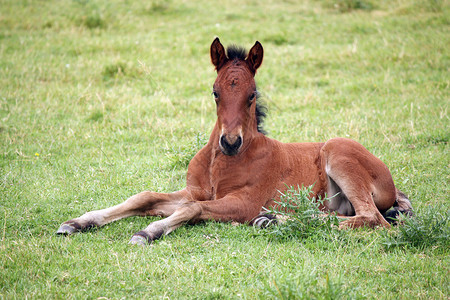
(240, 171)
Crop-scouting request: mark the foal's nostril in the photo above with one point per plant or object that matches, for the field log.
(223, 141)
(238, 142)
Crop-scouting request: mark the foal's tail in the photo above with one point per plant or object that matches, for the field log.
(402, 205)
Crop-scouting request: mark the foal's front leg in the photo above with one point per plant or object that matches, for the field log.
(142, 204)
(188, 211)
(227, 209)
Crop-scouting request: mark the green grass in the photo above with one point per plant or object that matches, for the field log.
(102, 99)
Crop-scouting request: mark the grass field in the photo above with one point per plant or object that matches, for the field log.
(100, 100)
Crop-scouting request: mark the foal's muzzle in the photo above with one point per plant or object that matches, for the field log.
(230, 145)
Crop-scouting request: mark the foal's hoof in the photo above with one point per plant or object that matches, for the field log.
(264, 221)
(138, 240)
(66, 229)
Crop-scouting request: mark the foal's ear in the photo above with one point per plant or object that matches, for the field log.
(218, 56)
(255, 56)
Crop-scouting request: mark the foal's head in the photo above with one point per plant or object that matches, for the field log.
(235, 94)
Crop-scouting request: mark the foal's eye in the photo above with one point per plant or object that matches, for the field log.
(216, 95)
(252, 97)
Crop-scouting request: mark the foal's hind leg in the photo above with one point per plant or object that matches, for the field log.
(363, 180)
(142, 204)
(360, 197)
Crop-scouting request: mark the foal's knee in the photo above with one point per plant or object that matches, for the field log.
(139, 200)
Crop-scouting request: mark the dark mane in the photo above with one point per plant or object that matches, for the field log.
(236, 52)
(261, 113)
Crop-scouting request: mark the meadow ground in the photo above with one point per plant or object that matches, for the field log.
(102, 99)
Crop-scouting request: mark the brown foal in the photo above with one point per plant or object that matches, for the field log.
(240, 171)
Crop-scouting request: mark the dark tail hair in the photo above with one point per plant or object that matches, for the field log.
(402, 205)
